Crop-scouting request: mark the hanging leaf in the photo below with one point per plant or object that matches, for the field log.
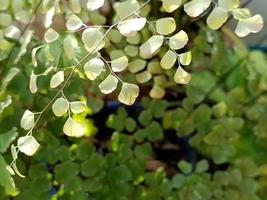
(93, 39)
(48, 19)
(194, 8)
(48, 54)
(60, 107)
(123, 9)
(77, 107)
(168, 60)
(181, 76)
(251, 25)
(93, 68)
(14, 166)
(165, 26)
(119, 64)
(27, 120)
(12, 32)
(151, 46)
(241, 13)
(171, 5)
(75, 6)
(229, 5)
(51, 35)
(57, 79)
(185, 58)
(28, 145)
(71, 47)
(217, 18)
(74, 23)
(129, 93)
(34, 51)
(131, 26)
(157, 92)
(73, 129)
(179, 40)
(94, 4)
(33, 84)
(109, 84)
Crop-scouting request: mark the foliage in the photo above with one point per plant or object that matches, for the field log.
(130, 48)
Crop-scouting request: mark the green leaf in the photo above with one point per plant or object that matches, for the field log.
(145, 117)
(154, 131)
(6, 181)
(119, 174)
(185, 167)
(7, 138)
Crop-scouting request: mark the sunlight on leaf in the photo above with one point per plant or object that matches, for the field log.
(33, 84)
(251, 25)
(27, 120)
(109, 84)
(181, 76)
(51, 35)
(194, 8)
(179, 40)
(119, 64)
(77, 107)
(185, 58)
(131, 26)
(93, 68)
(60, 107)
(57, 79)
(73, 129)
(217, 18)
(157, 92)
(165, 26)
(93, 39)
(168, 60)
(28, 145)
(74, 23)
(171, 5)
(151, 46)
(94, 4)
(129, 93)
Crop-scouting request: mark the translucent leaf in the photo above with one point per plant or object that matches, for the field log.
(131, 26)
(33, 85)
(48, 19)
(94, 4)
(34, 51)
(151, 46)
(93, 39)
(14, 152)
(168, 60)
(128, 94)
(241, 13)
(75, 6)
(181, 76)
(195, 8)
(165, 26)
(171, 5)
(27, 120)
(57, 79)
(47, 71)
(109, 84)
(71, 48)
(217, 18)
(48, 54)
(4, 4)
(14, 166)
(123, 9)
(60, 107)
(12, 32)
(179, 40)
(77, 107)
(185, 58)
(23, 16)
(74, 23)
(28, 145)
(229, 5)
(50, 35)
(157, 92)
(143, 77)
(119, 64)
(93, 68)
(73, 129)
(251, 25)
